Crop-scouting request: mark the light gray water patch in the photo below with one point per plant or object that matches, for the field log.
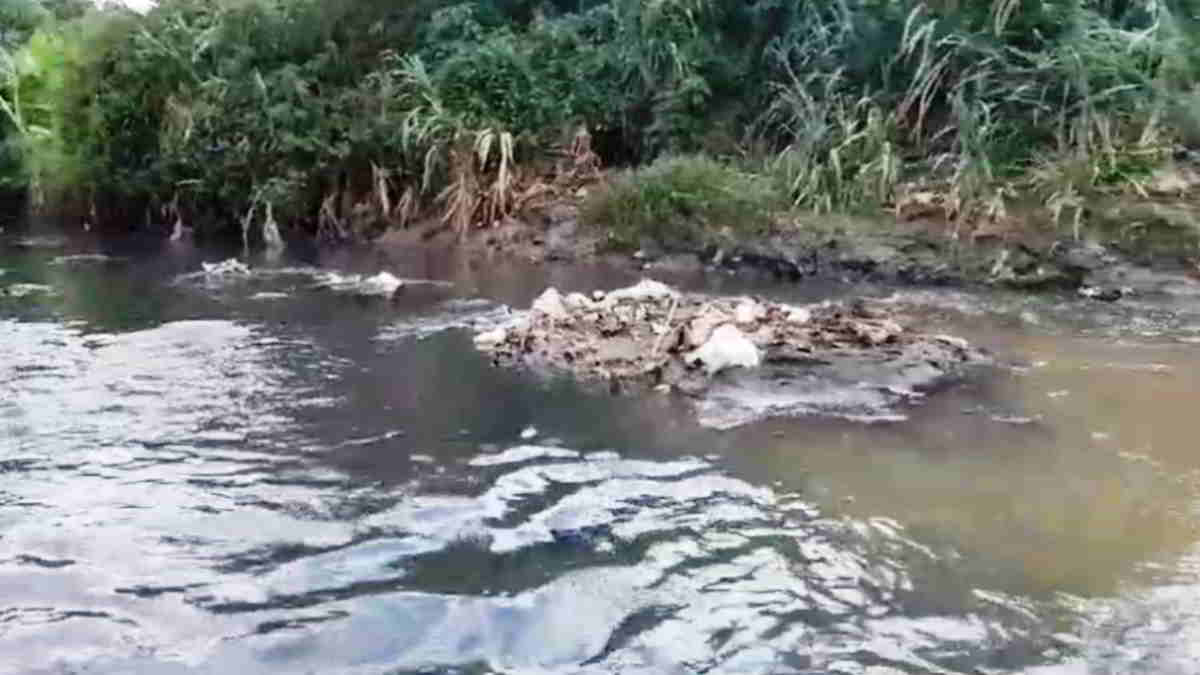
(474, 314)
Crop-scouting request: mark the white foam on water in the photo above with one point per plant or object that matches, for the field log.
(476, 315)
(383, 283)
(733, 404)
(23, 290)
(233, 271)
(226, 268)
(83, 258)
(522, 453)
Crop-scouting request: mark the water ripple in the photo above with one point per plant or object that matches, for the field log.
(191, 498)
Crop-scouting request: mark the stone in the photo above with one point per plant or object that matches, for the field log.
(491, 338)
(1121, 280)
(618, 349)
(561, 239)
(384, 283)
(1103, 294)
(748, 311)
(646, 289)
(562, 214)
(798, 315)
(1087, 257)
(953, 341)
(550, 303)
(701, 328)
(577, 301)
(876, 333)
(678, 263)
(728, 347)
(588, 535)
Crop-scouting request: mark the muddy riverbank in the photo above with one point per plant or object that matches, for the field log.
(1142, 249)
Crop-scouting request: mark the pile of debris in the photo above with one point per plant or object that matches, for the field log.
(652, 336)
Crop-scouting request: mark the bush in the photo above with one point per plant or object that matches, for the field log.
(319, 112)
(682, 201)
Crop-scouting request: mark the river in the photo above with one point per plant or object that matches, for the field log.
(281, 472)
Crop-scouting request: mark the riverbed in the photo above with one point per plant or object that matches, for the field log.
(286, 471)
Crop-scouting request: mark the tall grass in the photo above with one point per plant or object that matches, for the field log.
(349, 117)
(979, 105)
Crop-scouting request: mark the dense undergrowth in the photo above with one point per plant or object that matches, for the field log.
(683, 202)
(344, 118)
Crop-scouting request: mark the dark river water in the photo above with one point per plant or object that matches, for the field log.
(282, 471)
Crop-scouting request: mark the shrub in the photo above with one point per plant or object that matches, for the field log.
(681, 201)
(317, 112)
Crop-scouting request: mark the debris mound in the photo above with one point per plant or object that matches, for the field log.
(651, 336)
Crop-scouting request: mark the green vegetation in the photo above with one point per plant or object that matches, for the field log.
(684, 201)
(347, 117)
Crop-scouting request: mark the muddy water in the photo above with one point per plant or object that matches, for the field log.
(277, 473)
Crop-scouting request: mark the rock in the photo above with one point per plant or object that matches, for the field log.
(1000, 269)
(646, 289)
(1102, 294)
(1119, 280)
(491, 338)
(875, 333)
(867, 256)
(561, 239)
(798, 315)
(650, 249)
(383, 283)
(1174, 180)
(953, 341)
(550, 303)
(1087, 257)
(577, 301)
(748, 311)
(728, 347)
(561, 213)
(701, 328)
(618, 349)
(588, 535)
(678, 263)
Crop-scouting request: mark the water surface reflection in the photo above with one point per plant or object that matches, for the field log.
(263, 475)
